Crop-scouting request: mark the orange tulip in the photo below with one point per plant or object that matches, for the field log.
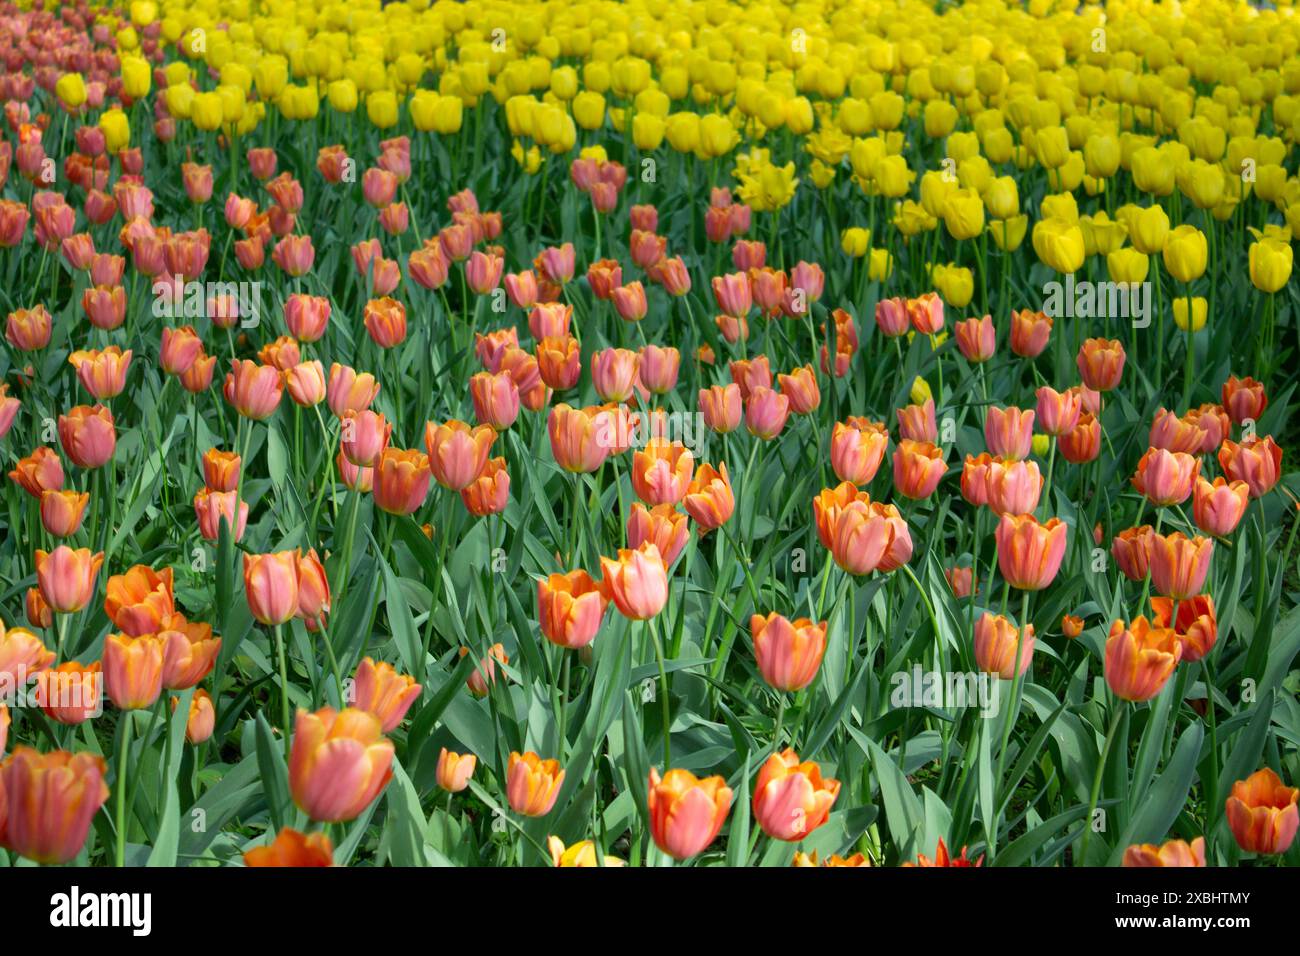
(253, 390)
(457, 453)
(918, 468)
(663, 525)
(348, 391)
(1256, 461)
(401, 481)
(454, 770)
(271, 586)
(570, 608)
(1219, 507)
(661, 471)
(293, 849)
(363, 436)
(532, 784)
(800, 387)
(637, 582)
(581, 438)
(486, 672)
(1071, 625)
(788, 653)
(1262, 813)
(1083, 443)
(917, 423)
(189, 652)
(380, 690)
(133, 670)
(496, 399)
(39, 472)
(1030, 553)
(139, 601)
(1029, 332)
(722, 407)
(62, 511)
(1176, 853)
(1196, 626)
(21, 655)
(71, 693)
(339, 763)
(857, 448)
(1244, 399)
(976, 338)
(1009, 432)
(102, 373)
(996, 644)
(1057, 413)
(88, 435)
(791, 799)
(51, 800)
(766, 412)
(960, 580)
(559, 361)
(202, 719)
(709, 498)
(1166, 477)
(221, 470)
(1013, 486)
(211, 508)
(686, 812)
(67, 577)
(1131, 549)
(1101, 363)
(1175, 434)
(1179, 564)
(1140, 658)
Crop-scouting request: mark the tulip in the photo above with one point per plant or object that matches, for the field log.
(457, 453)
(791, 799)
(454, 770)
(860, 537)
(1029, 332)
(709, 497)
(733, 294)
(253, 390)
(62, 511)
(133, 670)
(1244, 398)
(997, 643)
(189, 652)
(581, 438)
(1178, 563)
(293, 849)
(1057, 412)
(102, 373)
(1131, 549)
(88, 435)
(339, 763)
(70, 694)
(21, 655)
(976, 338)
(926, 313)
(1013, 487)
(39, 472)
(140, 601)
(559, 361)
(486, 671)
(722, 407)
(51, 800)
(1195, 624)
(1262, 813)
(532, 784)
(664, 526)
(1219, 507)
(401, 481)
(1009, 432)
(1166, 478)
(1175, 853)
(1256, 461)
(1059, 244)
(1101, 363)
(1083, 443)
(637, 582)
(211, 508)
(788, 654)
(28, 330)
(570, 608)
(891, 317)
(550, 320)
(582, 854)
(800, 387)
(614, 374)
(1175, 434)
(1270, 262)
(766, 412)
(686, 812)
(857, 448)
(630, 302)
(1140, 658)
(66, 577)
(271, 586)
(918, 468)
(380, 690)
(661, 471)
(917, 423)
(1185, 253)
(1029, 553)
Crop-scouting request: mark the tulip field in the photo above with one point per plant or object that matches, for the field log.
(669, 433)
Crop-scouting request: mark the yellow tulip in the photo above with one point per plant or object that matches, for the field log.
(206, 111)
(1270, 264)
(1002, 197)
(137, 77)
(1148, 230)
(880, 265)
(589, 110)
(1199, 311)
(1059, 244)
(71, 91)
(963, 214)
(116, 129)
(343, 97)
(855, 241)
(381, 109)
(1185, 253)
(1127, 265)
(1008, 234)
